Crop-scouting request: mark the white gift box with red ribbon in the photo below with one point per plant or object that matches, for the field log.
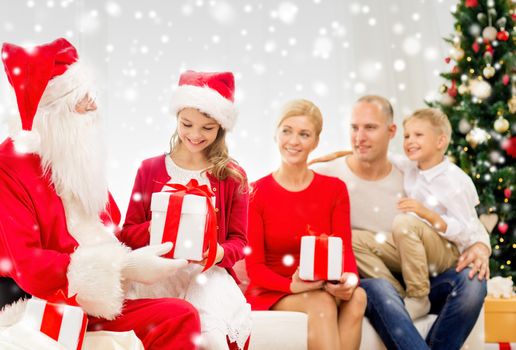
(320, 258)
(500, 346)
(189, 241)
(64, 323)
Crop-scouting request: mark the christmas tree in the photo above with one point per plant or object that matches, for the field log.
(479, 99)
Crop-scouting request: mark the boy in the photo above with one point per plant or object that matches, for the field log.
(439, 220)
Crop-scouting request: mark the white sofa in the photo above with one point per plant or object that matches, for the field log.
(284, 330)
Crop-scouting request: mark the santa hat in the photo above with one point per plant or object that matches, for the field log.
(210, 93)
(40, 76)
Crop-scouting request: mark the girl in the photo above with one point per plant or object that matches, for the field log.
(205, 111)
(282, 205)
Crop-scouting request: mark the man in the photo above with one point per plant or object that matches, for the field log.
(58, 220)
(375, 187)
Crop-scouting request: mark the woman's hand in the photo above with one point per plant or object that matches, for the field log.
(299, 286)
(344, 289)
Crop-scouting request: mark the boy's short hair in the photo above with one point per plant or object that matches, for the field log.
(437, 119)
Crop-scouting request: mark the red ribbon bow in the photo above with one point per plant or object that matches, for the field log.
(60, 298)
(175, 204)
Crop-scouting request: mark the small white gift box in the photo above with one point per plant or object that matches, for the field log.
(66, 324)
(320, 258)
(189, 240)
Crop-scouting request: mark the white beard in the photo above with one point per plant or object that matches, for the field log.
(72, 150)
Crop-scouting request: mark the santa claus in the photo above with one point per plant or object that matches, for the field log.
(57, 217)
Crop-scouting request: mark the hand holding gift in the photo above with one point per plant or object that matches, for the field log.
(145, 265)
(299, 286)
(345, 288)
(218, 258)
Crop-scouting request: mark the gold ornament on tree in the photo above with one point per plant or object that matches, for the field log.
(489, 72)
(457, 53)
(481, 89)
(501, 125)
(489, 33)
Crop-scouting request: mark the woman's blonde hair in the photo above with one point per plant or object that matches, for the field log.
(302, 107)
(217, 155)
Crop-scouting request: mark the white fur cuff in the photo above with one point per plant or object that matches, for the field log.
(95, 275)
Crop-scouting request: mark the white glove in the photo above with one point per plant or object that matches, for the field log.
(145, 264)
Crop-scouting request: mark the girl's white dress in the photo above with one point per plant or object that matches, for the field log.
(222, 307)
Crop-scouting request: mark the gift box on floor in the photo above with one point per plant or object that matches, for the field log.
(500, 346)
(500, 320)
(320, 258)
(184, 216)
(60, 318)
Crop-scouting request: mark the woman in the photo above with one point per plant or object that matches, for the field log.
(282, 205)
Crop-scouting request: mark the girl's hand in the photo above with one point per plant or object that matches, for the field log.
(344, 289)
(218, 258)
(299, 286)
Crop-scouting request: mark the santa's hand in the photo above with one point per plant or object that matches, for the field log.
(145, 265)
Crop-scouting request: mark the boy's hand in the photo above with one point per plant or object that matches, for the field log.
(409, 204)
(412, 205)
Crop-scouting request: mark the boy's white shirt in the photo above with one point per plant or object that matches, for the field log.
(448, 191)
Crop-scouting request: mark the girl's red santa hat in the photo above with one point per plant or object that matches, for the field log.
(210, 93)
(41, 76)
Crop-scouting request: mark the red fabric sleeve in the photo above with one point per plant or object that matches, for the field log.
(341, 226)
(38, 271)
(258, 272)
(135, 232)
(236, 231)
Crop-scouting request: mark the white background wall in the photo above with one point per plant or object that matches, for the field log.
(328, 51)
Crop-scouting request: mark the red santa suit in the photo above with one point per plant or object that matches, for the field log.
(41, 254)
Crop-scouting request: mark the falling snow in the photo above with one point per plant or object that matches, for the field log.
(325, 50)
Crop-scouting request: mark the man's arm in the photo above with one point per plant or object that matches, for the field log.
(329, 157)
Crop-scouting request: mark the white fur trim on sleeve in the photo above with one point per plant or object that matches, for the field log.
(12, 313)
(207, 101)
(95, 275)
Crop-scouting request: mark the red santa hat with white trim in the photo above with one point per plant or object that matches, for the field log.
(40, 76)
(210, 93)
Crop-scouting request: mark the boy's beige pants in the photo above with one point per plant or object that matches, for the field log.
(413, 249)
